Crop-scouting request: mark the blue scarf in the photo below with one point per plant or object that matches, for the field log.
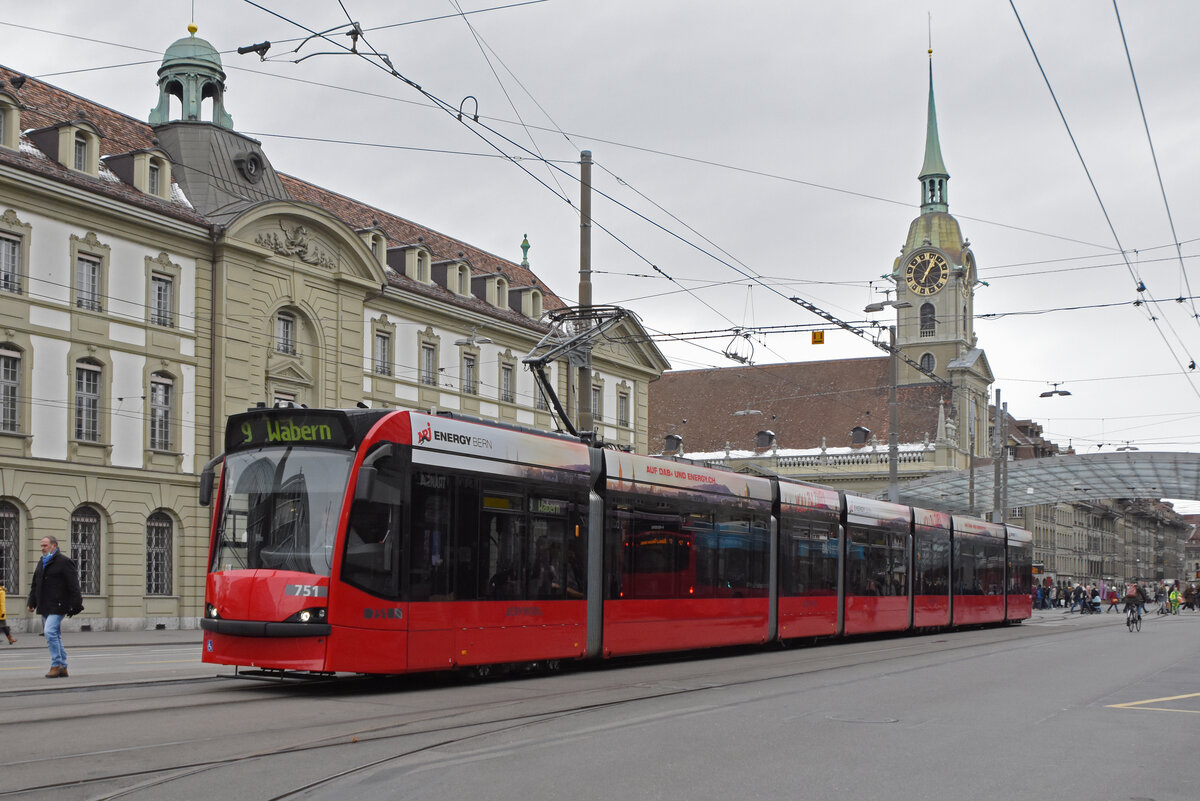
(47, 557)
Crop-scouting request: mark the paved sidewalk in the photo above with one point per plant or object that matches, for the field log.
(107, 639)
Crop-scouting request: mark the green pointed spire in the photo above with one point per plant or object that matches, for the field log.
(934, 178)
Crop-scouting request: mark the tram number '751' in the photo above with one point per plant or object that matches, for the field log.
(306, 590)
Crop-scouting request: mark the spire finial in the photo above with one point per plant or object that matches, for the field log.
(192, 28)
(525, 250)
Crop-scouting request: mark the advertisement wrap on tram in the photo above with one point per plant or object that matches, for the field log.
(386, 541)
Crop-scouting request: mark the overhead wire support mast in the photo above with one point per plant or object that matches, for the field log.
(886, 347)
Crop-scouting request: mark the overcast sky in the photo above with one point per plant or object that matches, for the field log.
(780, 137)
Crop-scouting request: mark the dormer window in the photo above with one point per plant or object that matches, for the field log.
(154, 179)
(464, 280)
(422, 267)
(502, 293)
(81, 151)
(10, 123)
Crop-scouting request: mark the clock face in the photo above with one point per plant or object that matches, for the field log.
(926, 272)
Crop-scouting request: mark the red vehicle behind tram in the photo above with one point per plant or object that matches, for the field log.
(377, 541)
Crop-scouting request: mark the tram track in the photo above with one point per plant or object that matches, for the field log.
(447, 726)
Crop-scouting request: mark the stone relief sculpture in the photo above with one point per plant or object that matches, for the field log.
(295, 244)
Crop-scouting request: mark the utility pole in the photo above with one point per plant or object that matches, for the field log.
(583, 361)
(997, 463)
(893, 414)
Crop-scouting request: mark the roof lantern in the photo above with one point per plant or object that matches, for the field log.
(191, 71)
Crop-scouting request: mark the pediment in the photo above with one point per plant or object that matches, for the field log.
(629, 343)
(310, 237)
(286, 368)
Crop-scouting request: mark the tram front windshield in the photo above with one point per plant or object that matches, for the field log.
(281, 509)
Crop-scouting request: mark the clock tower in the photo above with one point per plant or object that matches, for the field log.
(935, 277)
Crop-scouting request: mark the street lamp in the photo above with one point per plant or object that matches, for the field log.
(1050, 393)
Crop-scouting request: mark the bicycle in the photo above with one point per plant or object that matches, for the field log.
(1133, 619)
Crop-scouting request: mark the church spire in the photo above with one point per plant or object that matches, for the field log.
(934, 178)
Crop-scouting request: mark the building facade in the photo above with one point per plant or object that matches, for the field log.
(157, 276)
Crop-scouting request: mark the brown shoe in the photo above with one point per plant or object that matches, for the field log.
(12, 640)
(54, 673)
(62, 672)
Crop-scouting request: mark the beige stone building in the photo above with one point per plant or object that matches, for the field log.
(157, 277)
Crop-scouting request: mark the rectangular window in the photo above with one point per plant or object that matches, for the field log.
(10, 264)
(506, 383)
(161, 306)
(470, 384)
(597, 398)
(154, 179)
(10, 390)
(622, 409)
(160, 413)
(87, 283)
(383, 353)
(158, 555)
(428, 365)
(539, 398)
(285, 334)
(81, 159)
(87, 403)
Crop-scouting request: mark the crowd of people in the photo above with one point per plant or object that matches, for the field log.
(1093, 599)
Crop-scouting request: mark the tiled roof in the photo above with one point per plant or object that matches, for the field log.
(44, 106)
(400, 231)
(802, 402)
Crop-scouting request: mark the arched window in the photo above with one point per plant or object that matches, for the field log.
(85, 548)
(928, 320)
(158, 554)
(10, 550)
(928, 362)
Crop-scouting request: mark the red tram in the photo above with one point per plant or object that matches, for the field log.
(376, 541)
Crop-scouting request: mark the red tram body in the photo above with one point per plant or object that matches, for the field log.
(374, 541)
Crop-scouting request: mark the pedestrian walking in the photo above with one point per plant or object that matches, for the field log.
(4, 616)
(55, 594)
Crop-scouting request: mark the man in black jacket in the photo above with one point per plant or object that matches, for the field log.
(55, 594)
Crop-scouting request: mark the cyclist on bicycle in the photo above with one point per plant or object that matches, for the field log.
(1135, 596)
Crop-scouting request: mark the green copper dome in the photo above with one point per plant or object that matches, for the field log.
(191, 50)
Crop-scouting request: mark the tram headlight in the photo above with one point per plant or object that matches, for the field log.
(314, 614)
(210, 611)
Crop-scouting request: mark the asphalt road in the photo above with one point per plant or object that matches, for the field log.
(1061, 705)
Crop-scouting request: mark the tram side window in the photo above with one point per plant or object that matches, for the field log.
(550, 572)
(647, 554)
(932, 572)
(372, 558)
(744, 563)
(876, 562)
(809, 557)
(968, 553)
(1020, 571)
(429, 537)
(503, 546)
(991, 572)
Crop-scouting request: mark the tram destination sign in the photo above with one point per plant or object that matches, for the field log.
(287, 427)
